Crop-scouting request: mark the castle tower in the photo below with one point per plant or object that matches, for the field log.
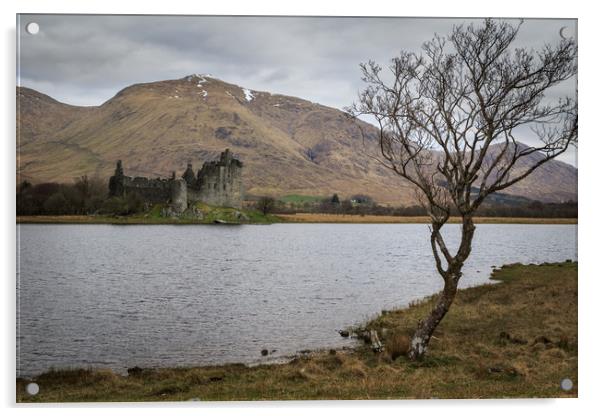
(179, 195)
(226, 157)
(188, 175)
(116, 182)
(119, 169)
(220, 182)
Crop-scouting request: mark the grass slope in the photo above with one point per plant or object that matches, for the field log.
(210, 215)
(300, 199)
(513, 339)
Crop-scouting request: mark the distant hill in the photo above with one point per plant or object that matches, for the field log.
(288, 145)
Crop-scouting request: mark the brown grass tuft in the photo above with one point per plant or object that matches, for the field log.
(397, 345)
(356, 370)
(81, 376)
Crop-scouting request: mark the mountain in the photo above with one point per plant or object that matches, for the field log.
(554, 181)
(288, 145)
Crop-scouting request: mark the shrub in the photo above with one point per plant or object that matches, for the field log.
(56, 204)
(130, 204)
(265, 205)
(84, 196)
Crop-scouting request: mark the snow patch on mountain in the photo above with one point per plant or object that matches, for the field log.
(198, 78)
(248, 94)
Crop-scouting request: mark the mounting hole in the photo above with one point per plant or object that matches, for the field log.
(566, 384)
(32, 28)
(567, 32)
(32, 389)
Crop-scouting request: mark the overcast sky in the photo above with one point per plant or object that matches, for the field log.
(85, 60)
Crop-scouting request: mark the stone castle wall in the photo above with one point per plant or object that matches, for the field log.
(220, 182)
(151, 190)
(179, 195)
(217, 183)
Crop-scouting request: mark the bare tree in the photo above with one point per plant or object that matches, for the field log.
(265, 204)
(448, 121)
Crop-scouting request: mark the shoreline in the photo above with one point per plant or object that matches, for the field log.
(517, 338)
(282, 218)
(133, 220)
(390, 219)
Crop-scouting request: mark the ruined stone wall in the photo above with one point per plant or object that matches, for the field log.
(179, 195)
(151, 190)
(217, 183)
(220, 182)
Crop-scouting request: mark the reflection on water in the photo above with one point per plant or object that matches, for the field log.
(167, 295)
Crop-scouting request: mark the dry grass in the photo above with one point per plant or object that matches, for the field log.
(397, 345)
(513, 339)
(390, 219)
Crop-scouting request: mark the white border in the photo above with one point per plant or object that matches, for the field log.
(590, 370)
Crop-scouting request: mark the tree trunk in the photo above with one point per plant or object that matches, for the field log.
(426, 327)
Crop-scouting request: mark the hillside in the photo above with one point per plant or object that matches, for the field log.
(288, 145)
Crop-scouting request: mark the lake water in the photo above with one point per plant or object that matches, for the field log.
(169, 295)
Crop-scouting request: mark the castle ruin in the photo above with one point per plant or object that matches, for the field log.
(217, 183)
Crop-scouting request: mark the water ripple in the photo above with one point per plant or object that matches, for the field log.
(157, 296)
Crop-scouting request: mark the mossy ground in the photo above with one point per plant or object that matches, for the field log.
(517, 338)
(211, 214)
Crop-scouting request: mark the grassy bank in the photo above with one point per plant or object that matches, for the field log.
(390, 219)
(210, 215)
(513, 339)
